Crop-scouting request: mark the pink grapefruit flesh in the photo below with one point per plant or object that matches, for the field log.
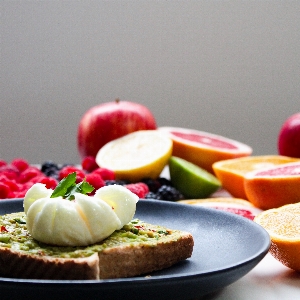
(203, 148)
(233, 205)
(274, 187)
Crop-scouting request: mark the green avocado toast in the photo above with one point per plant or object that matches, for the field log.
(137, 249)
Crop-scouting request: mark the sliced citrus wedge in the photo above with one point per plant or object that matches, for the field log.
(191, 180)
(203, 148)
(233, 205)
(283, 225)
(138, 155)
(231, 172)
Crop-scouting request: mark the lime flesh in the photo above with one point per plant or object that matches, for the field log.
(192, 181)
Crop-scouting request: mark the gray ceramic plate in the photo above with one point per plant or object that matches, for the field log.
(226, 248)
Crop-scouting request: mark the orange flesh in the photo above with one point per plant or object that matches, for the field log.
(283, 225)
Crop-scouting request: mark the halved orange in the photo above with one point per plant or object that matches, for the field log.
(232, 172)
(274, 187)
(203, 148)
(283, 225)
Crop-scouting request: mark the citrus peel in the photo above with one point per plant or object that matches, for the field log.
(203, 148)
(283, 226)
(232, 172)
(273, 187)
(137, 155)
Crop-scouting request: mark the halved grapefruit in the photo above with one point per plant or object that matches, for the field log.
(274, 187)
(231, 172)
(233, 205)
(203, 148)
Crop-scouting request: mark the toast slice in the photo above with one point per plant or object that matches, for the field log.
(138, 248)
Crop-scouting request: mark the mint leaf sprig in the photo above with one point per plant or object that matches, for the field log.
(67, 187)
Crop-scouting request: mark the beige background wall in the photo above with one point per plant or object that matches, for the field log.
(226, 67)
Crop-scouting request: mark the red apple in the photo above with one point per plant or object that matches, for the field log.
(289, 137)
(111, 120)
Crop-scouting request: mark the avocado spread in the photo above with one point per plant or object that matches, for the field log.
(14, 235)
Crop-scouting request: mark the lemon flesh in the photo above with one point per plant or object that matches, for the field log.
(192, 181)
(137, 155)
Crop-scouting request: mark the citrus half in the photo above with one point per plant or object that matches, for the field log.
(274, 187)
(232, 172)
(138, 155)
(191, 180)
(283, 225)
(233, 205)
(203, 148)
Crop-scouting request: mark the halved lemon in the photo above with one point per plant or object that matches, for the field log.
(137, 155)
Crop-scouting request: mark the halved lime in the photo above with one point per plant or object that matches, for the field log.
(192, 181)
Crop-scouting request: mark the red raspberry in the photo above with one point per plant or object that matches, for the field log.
(2, 163)
(89, 164)
(12, 194)
(29, 173)
(95, 180)
(3, 177)
(13, 186)
(20, 163)
(26, 186)
(4, 190)
(50, 182)
(19, 194)
(106, 174)
(65, 171)
(9, 171)
(140, 189)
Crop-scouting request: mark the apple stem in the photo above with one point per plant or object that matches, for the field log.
(117, 100)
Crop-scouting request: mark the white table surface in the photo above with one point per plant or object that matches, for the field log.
(269, 280)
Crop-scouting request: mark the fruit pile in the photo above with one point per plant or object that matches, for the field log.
(119, 143)
(18, 176)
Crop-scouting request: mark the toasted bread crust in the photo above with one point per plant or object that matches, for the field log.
(122, 261)
(117, 258)
(142, 259)
(21, 265)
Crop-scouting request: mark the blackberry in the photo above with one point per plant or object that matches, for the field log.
(50, 169)
(169, 193)
(152, 184)
(48, 165)
(164, 181)
(152, 195)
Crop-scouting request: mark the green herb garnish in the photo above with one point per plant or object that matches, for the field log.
(162, 232)
(20, 220)
(67, 187)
